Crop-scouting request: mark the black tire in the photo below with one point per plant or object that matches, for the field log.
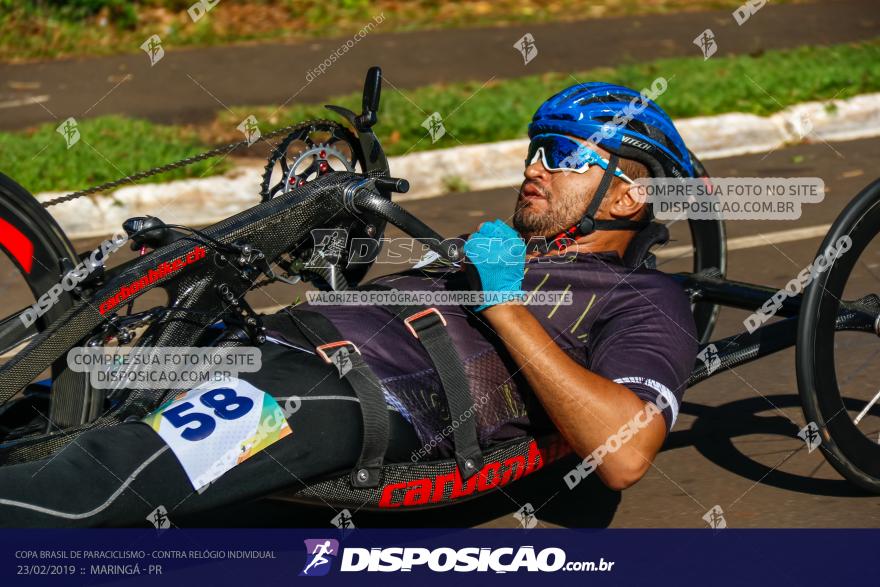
(41, 253)
(710, 253)
(844, 444)
(26, 227)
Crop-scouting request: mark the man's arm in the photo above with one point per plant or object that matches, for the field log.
(585, 407)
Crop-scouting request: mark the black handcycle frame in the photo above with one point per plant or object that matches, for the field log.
(204, 292)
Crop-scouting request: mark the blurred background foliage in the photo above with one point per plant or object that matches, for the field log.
(39, 29)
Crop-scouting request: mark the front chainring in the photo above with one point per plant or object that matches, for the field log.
(314, 148)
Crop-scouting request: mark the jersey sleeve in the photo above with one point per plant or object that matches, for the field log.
(649, 347)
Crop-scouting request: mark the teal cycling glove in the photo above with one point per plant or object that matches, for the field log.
(496, 257)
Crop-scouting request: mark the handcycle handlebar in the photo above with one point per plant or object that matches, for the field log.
(369, 200)
(274, 227)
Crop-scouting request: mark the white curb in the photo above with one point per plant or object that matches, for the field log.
(478, 167)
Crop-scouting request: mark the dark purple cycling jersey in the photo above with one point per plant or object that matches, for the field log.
(631, 326)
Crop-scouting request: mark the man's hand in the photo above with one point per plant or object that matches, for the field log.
(495, 263)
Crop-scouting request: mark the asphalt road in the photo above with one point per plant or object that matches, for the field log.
(190, 85)
(735, 442)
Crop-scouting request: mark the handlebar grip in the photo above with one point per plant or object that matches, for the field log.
(392, 184)
(370, 201)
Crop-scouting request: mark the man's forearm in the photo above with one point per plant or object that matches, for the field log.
(586, 408)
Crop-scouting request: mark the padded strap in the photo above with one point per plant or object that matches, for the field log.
(639, 247)
(429, 327)
(324, 336)
(607, 177)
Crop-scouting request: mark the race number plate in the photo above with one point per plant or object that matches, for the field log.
(214, 427)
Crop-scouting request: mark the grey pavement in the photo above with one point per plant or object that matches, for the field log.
(190, 85)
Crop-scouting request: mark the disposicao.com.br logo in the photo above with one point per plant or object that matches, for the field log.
(320, 553)
(443, 559)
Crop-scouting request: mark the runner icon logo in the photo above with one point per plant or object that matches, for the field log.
(434, 125)
(70, 131)
(250, 129)
(526, 516)
(810, 435)
(343, 520)
(527, 48)
(342, 360)
(320, 553)
(710, 358)
(715, 518)
(706, 42)
(159, 518)
(154, 50)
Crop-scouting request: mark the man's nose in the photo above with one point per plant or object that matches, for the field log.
(536, 171)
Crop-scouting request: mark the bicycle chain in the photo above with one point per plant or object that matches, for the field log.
(175, 165)
(183, 163)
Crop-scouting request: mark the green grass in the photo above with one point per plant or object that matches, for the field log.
(478, 112)
(109, 147)
(40, 29)
(473, 112)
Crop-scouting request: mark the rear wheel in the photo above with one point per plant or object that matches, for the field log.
(696, 246)
(701, 248)
(709, 255)
(36, 254)
(838, 347)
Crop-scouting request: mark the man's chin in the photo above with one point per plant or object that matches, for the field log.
(531, 208)
(528, 226)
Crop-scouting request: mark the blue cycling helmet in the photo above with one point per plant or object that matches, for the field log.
(626, 124)
(647, 134)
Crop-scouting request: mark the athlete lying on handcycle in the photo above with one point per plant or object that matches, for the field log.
(620, 353)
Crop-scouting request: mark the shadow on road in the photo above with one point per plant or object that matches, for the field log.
(713, 431)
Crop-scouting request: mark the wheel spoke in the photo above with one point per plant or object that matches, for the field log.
(867, 409)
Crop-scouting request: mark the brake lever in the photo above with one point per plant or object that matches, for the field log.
(377, 162)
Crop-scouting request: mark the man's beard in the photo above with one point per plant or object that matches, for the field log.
(562, 212)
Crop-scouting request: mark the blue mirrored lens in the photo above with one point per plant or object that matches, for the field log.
(560, 152)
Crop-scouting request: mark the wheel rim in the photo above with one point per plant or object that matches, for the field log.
(35, 246)
(37, 253)
(829, 375)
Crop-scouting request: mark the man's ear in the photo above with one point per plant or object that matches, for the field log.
(629, 200)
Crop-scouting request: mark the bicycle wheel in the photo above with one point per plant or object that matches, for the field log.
(37, 251)
(37, 254)
(701, 247)
(837, 343)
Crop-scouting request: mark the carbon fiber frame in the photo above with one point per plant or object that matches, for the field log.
(745, 347)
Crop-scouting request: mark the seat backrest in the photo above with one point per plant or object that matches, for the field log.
(638, 253)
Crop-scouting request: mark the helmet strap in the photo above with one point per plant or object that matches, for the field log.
(588, 223)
